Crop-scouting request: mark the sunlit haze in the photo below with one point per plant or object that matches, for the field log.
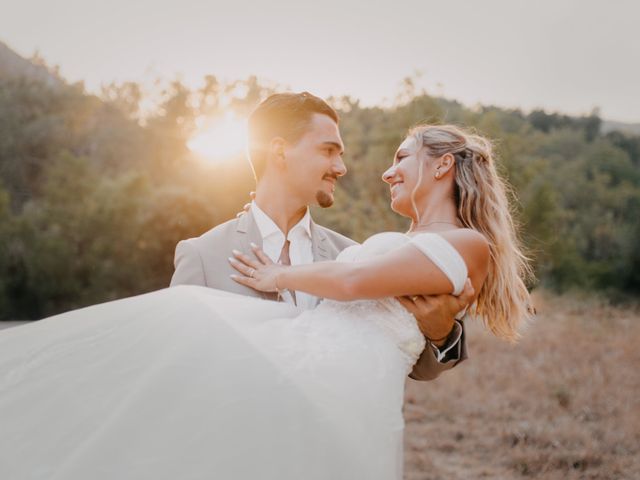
(568, 55)
(218, 139)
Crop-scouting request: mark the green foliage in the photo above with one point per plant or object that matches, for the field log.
(95, 193)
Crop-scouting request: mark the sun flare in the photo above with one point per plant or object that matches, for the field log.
(221, 138)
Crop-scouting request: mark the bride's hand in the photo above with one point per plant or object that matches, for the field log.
(260, 274)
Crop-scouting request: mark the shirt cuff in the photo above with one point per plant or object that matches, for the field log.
(287, 297)
(453, 342)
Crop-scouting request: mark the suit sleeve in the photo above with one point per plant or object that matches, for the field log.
(428, 367)
(188, 266)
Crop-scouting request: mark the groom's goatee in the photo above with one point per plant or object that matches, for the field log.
(324, 199)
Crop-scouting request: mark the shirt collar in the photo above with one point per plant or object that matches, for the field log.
(268, 227)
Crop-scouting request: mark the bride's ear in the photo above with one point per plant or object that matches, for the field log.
(443, 165)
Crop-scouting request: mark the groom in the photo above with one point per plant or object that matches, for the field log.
(296, 151)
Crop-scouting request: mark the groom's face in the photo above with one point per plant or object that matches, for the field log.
(314, 162)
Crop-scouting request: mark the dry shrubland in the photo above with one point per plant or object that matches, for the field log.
(563, 403)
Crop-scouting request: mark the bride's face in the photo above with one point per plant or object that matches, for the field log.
(403, 175)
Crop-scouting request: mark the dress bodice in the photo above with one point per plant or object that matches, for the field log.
(387, 314)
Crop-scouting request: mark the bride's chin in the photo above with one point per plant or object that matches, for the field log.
(394, 207)
(397, 207)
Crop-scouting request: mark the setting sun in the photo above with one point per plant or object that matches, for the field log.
(220, 138)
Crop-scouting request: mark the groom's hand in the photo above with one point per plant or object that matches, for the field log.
(436, 313)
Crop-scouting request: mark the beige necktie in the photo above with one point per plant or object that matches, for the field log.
(286, 260)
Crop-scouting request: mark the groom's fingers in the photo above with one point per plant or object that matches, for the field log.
(407, 302)
(403, 301)
(247, 206)
(467, 294)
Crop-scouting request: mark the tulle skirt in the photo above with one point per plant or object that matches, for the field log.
(194, 383)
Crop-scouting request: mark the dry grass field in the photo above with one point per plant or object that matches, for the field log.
(563, 403)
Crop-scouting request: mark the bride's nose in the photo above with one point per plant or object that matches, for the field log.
(389, 174)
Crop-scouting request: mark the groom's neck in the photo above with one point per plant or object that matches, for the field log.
(280, 205)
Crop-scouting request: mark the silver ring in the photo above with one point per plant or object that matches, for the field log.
(253, 270)
(413, 299)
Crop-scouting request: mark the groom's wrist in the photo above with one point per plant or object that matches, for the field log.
(450, 339)
(440, 341)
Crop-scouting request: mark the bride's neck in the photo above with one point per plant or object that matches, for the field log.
(435, 217)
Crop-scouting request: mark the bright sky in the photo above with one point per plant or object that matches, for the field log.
(567, 55)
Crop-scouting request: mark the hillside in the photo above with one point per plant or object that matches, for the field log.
(13, 66)
(629, 128)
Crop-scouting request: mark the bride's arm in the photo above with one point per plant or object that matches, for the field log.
(402, 271)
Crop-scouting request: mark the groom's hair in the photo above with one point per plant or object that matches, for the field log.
(285, 115)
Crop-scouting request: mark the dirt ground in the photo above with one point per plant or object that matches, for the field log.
(563, 403)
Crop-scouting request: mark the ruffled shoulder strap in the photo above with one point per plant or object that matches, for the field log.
(445, 256)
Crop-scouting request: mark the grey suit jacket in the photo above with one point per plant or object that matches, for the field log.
(204, 261)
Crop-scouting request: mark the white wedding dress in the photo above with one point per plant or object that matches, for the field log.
(191, 383)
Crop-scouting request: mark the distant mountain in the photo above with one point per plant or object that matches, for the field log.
(630, 128)
(13, 65)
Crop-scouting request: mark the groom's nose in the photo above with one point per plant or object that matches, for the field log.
(338, 167)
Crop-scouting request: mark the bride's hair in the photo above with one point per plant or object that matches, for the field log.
(481, 200)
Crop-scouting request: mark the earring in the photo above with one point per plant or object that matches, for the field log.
(437, 175)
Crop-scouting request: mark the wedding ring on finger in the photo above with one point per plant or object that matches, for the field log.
(414, 298)
(252, 272)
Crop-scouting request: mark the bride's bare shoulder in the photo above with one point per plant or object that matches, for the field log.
(471, 244)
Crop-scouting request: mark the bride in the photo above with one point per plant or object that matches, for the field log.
(195, 383)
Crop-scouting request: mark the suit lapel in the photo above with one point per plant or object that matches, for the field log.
(319, 245)
(247, 230)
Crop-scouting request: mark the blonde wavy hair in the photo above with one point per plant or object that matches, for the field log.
(482, 203)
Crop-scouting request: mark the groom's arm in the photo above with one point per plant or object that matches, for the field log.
(435, 360)
(445, 336)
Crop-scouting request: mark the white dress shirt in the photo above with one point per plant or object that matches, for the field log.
(300, 247)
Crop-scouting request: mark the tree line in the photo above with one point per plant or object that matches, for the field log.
(95, 192)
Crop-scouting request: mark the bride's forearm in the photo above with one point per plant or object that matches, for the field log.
(402, 271)
(334, 280)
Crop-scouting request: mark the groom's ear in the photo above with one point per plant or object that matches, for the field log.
(277, 151)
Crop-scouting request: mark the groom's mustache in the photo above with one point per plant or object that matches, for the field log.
(330, 175)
